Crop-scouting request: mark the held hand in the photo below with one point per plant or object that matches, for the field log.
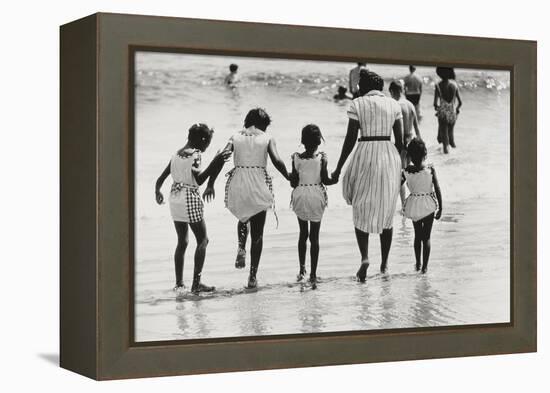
(222, 157)
(438, 214)
(209, 194)
(457, 111)
(159, 197)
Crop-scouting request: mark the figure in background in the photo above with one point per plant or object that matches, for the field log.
(446, 96)
(413, 89)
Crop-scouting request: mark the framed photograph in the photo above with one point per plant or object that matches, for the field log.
(242, 196)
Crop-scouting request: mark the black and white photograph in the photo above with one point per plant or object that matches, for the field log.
(281, 197)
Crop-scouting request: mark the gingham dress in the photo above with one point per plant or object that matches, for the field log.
(421, 201)
(249, 188)
(309, 198)
(185, 202)
(372, 180)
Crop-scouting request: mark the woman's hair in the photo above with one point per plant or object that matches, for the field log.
(445, 72)
(233, 67)
(368, 81)
(200, 135)
(311, 136)
(417, 151)
(258, 118)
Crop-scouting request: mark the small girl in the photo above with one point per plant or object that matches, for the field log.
(186, 206)
(309, 197)
(421, 204)
(249, 188)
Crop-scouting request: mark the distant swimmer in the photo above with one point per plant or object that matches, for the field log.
(342, 94)
(231, 79)
(354, 78)
(413, 89)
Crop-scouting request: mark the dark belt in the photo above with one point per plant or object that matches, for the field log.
(373, 138)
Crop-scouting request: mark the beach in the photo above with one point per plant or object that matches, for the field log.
(469, 272)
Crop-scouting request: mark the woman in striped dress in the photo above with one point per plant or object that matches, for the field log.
(371, 183)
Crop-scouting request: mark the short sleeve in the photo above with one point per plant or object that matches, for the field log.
(397, 111)
(352, 112)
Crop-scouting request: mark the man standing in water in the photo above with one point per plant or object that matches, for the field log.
(354, 78)
(409, 121)
(413, 89)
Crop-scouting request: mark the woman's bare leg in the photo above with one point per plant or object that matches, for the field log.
(363, 244)
(385, 246)
(444, 135)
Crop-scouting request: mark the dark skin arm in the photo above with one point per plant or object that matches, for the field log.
(459, 99)
(276, 160)
(347, 147)
(398, 134)
(437, 195)
(416, 127)
(436, 99)
(160, 181)
(210, 193)
(294, 178)
(327, 181)
(213, 169)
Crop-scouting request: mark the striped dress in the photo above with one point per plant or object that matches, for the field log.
(372, 180)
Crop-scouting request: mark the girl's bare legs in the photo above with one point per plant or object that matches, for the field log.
(179, 254)
(385, 246)
(314, 249)
(257, 224)
(427, 224)
(422, 243)
(302, 248)
(199, 230)
(418, 237)
(242, 236)
(363, 244)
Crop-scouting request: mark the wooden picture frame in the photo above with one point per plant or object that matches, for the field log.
(96, 266)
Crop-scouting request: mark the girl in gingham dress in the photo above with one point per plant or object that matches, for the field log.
(309, 197)
(249, 190)
(186, 206)
(424, 201)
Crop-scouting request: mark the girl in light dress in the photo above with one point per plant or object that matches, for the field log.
(186, 206)
(249, 188)
(424, 201)
(309, 197)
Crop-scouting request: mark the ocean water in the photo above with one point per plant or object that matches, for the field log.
(469, 275)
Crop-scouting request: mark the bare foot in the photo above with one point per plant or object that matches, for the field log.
(240, 261)
(362, 272)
